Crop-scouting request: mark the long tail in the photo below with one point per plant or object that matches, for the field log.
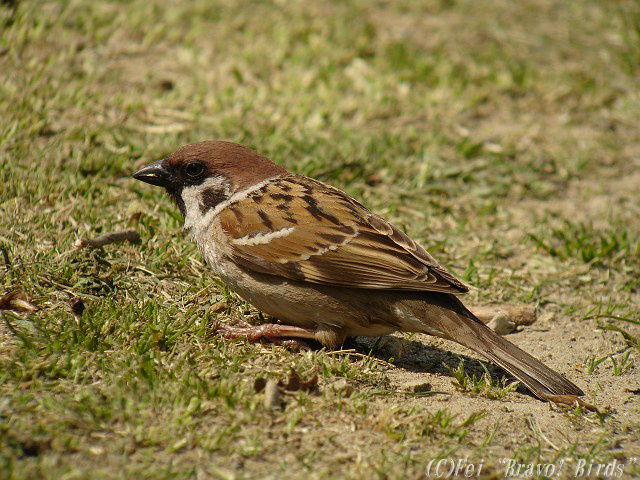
(463, 327)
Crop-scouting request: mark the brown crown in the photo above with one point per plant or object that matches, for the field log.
(241, 165)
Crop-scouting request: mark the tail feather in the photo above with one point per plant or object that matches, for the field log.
(463, 327)
(539, 378)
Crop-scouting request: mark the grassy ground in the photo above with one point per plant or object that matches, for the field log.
(503, 136)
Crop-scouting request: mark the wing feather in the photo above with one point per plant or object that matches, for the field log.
(302, 229)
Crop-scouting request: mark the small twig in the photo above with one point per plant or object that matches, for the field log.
(108, 238)
(536, 429)
(430, 393)
(142, 269)
(352, 353)
(160, 129)
(344, 351)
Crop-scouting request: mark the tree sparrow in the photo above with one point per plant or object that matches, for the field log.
(319, 261)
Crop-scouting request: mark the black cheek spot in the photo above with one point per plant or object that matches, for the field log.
(210, 198)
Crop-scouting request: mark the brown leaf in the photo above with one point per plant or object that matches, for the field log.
(310, 385)
(295, 384)
(77, 306)
(218, 307)
(259, 384)
(273, 391)
(16, 301)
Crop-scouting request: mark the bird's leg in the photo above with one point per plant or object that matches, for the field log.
(270, 331)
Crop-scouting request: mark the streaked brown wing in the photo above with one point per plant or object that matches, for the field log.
(321, 235)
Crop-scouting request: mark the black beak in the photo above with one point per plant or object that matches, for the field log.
(154, 173)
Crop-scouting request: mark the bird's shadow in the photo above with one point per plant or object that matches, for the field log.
(415, 356)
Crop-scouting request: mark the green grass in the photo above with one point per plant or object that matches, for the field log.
(484, 385)
(502, 136)
(583, 242)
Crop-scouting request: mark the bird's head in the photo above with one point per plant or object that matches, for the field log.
(200, 176)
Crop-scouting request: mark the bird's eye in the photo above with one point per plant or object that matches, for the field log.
(194, 169)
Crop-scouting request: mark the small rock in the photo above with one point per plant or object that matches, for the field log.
(501, 324)
(272, 395)
(547, 317)
(418, 386)
(343, 387)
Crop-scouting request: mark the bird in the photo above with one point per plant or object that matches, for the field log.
(320, 262)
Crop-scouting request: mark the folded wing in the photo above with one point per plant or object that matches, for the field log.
(302, 229)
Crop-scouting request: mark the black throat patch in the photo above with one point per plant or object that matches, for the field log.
(177, 198)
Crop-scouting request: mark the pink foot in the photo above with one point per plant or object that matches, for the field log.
(271, 331)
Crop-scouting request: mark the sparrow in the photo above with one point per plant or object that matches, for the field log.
(320, 262)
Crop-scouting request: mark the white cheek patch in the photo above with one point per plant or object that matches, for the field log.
(193, 197)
